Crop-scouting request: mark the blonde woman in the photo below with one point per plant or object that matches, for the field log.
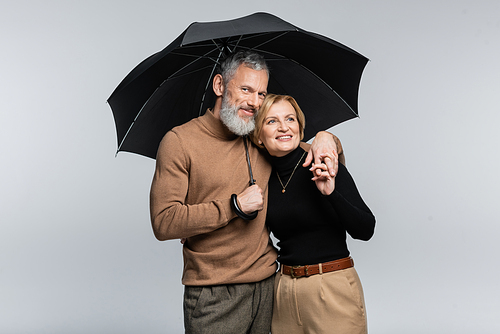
(317, 289)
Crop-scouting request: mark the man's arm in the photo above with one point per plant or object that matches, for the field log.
(171, 217)
(326, 148)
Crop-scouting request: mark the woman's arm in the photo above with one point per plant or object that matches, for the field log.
(354, 214)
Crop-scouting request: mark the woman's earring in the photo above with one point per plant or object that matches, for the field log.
(260, 141)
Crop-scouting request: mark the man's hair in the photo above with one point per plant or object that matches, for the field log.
(253, 60)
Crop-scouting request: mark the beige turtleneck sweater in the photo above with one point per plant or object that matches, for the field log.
(198, 166)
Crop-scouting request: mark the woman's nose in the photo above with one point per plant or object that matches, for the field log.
(283, 126)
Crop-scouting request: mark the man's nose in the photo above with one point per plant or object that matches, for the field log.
(253, 100)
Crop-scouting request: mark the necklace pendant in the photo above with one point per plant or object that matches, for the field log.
(287, 182)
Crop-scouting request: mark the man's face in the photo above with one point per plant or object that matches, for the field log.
(242, 98)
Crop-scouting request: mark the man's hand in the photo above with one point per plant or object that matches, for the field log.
(251, 199)
(323, 150)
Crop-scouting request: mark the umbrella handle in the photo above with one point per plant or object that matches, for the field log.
(236, 208)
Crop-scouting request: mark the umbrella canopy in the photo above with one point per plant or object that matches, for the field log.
(175, 85)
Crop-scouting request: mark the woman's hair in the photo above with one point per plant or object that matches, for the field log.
(264, 110)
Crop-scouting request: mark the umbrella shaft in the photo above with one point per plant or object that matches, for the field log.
(252, 181)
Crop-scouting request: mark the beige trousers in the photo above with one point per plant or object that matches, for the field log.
(323, 303)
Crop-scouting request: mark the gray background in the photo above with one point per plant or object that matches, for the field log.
(77, 254)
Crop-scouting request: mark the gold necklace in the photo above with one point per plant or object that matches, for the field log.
(279, 179)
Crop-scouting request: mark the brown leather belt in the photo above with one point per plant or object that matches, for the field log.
(308, 270)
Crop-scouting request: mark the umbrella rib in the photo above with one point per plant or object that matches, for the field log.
(237, 43)
(214, 43)
(256, 48)
(184, 74)
(190, 55)
(139, 113)
(135, 119)
(208, 83)
(221, 49)
(263, 34)
(191, 63)
(171, 77)
(234, 45)
(327, 85)
(267, 41)
(205, 56)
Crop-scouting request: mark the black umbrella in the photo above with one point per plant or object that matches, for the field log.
(175, 85)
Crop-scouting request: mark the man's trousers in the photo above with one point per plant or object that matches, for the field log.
(233, 308)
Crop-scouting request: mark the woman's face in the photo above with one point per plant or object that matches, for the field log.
(281, 131)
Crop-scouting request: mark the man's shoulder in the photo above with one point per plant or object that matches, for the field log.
(305, 146)
(193, 130)
(195, 123)
(187, 135)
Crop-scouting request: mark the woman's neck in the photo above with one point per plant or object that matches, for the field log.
(286, 164)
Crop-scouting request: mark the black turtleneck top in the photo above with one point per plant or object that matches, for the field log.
(311, 228)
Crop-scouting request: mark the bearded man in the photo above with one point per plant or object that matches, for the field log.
(229, 261)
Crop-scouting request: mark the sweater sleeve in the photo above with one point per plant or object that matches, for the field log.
(340, 149)
(354, 214)
(171, 216)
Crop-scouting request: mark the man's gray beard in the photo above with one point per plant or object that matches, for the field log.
(237, 125)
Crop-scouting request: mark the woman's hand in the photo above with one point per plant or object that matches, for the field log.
(324, 145)
(324, 182)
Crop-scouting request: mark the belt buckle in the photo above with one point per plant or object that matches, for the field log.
(292, 273)
(306, 273)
